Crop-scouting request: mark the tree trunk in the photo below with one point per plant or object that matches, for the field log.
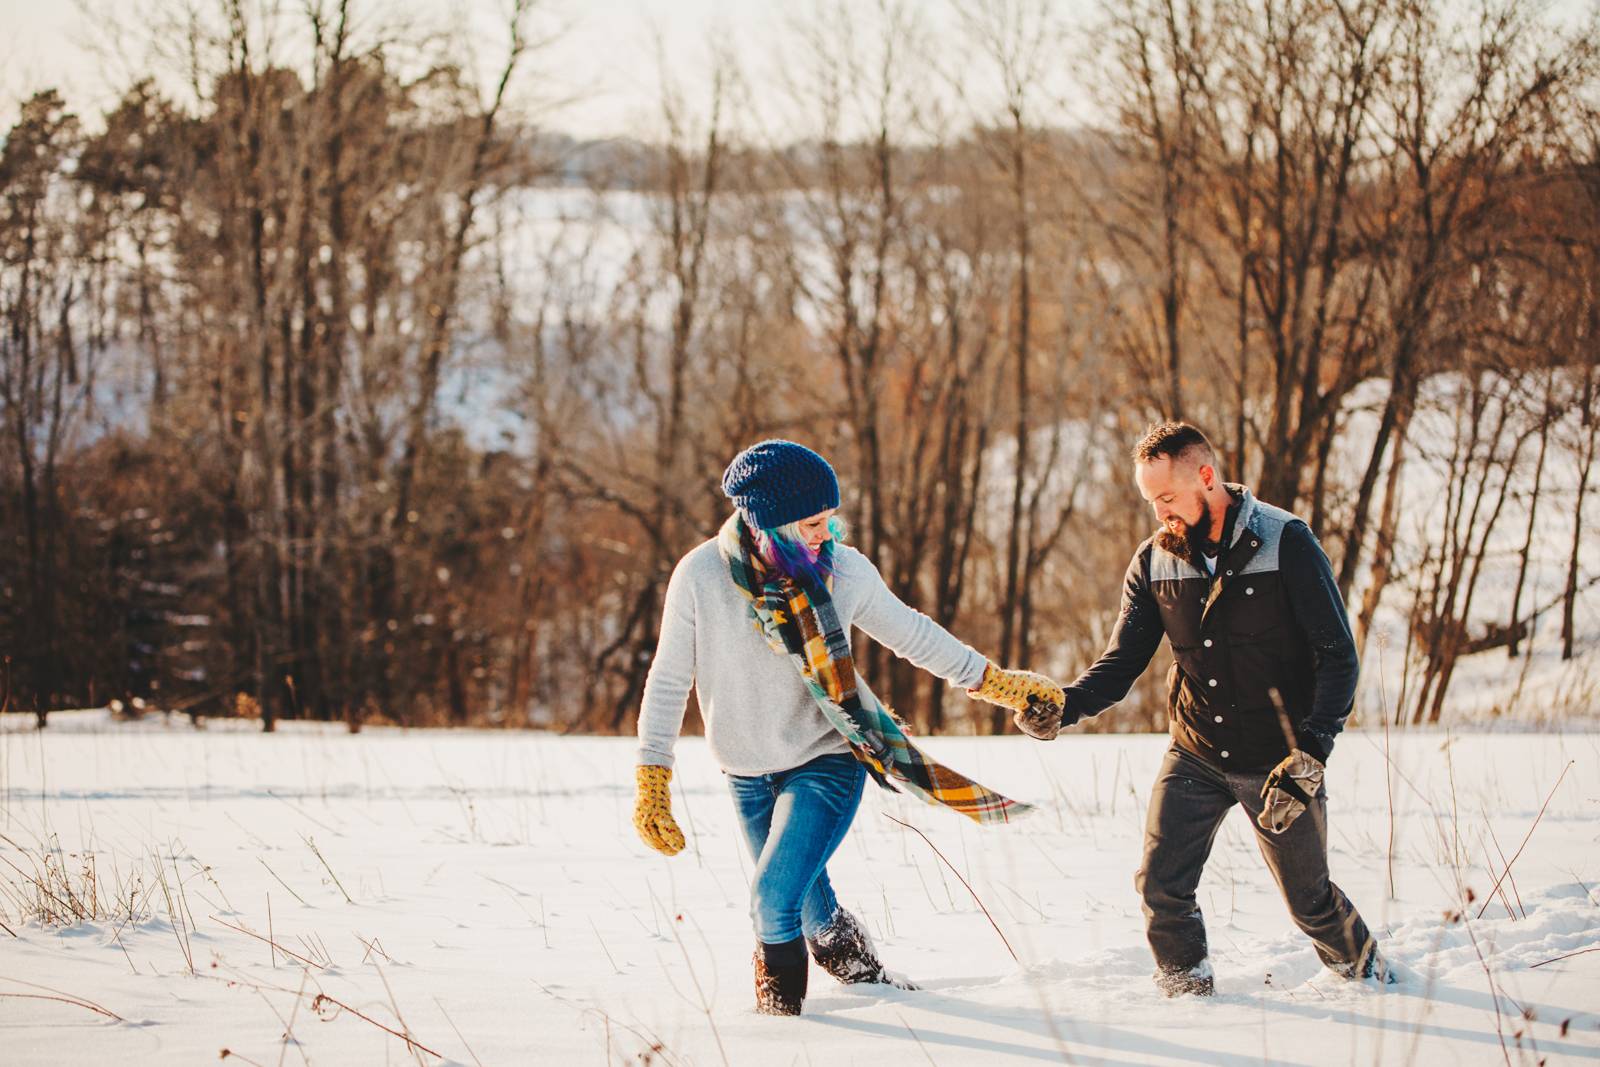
(1547, 417)
(1458, 630)
(1397, 408)
(1013, 627)
(1569, 601)
(1383, 551)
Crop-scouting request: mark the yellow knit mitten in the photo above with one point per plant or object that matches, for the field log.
(1011, 689)
(652, 810)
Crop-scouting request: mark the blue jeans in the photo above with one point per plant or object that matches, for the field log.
(793, 821)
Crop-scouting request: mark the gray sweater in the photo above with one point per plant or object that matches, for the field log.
(759, 716)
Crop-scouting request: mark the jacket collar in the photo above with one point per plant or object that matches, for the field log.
(1249, 511)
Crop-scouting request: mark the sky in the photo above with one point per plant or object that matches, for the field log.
(602, 67)
(600, 77)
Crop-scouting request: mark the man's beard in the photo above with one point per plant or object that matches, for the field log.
(1193, 540)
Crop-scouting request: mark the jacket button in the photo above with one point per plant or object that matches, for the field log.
(1208, 642)
(1224, 753)
(1249, 591)
(1212, 683)
(1219, 718)
(1230, 572)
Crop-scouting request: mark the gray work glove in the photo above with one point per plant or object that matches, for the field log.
(1040, 719)
(1288, 790)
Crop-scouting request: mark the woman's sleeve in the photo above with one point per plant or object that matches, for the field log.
(910, 634)
(666, 687)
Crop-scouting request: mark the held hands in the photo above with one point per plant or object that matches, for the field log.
(1037, 703)
(652, 810)
(1040, 720)
(1289, 789)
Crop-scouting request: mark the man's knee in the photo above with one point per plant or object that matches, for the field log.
(1163, 891)
(1310, 901)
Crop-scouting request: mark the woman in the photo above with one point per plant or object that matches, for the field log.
(757, 620)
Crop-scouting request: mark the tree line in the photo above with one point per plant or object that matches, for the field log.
(336, 389)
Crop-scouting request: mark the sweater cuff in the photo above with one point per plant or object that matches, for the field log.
(972, 678)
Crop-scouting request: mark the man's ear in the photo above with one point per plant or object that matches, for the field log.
(1208, 475)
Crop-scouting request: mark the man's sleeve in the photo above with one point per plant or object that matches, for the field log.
(1133, 642)
(1320, 613)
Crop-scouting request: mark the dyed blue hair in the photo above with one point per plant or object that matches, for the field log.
(786, 550)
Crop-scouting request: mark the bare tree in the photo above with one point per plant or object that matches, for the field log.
(46, 368)
(1020, 41)
(1449, 156)
(668, 365)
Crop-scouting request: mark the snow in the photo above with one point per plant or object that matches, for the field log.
(501, 909)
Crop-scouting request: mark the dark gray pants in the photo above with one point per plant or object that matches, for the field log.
(1187, 806)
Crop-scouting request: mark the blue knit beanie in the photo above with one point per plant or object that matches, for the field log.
(776, 482)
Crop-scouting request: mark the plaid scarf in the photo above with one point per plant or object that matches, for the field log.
(802, 623)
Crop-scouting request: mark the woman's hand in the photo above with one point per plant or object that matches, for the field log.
(1037, 701)
(1011, 689)
(652, 810)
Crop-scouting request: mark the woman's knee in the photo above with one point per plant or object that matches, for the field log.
(774, 913)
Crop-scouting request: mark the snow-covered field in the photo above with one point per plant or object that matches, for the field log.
(485, 894)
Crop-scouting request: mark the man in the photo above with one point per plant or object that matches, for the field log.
(1264, 679)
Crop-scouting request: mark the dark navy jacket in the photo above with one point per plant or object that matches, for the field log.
(1270, 620)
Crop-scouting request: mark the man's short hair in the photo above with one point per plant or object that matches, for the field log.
(1175, 439)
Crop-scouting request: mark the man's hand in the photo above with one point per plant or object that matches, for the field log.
(1289, 790)
(652, 810)
(1040, 720)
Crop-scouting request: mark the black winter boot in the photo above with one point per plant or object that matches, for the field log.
(1193, 981)
(844, 950)
(781, 977)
